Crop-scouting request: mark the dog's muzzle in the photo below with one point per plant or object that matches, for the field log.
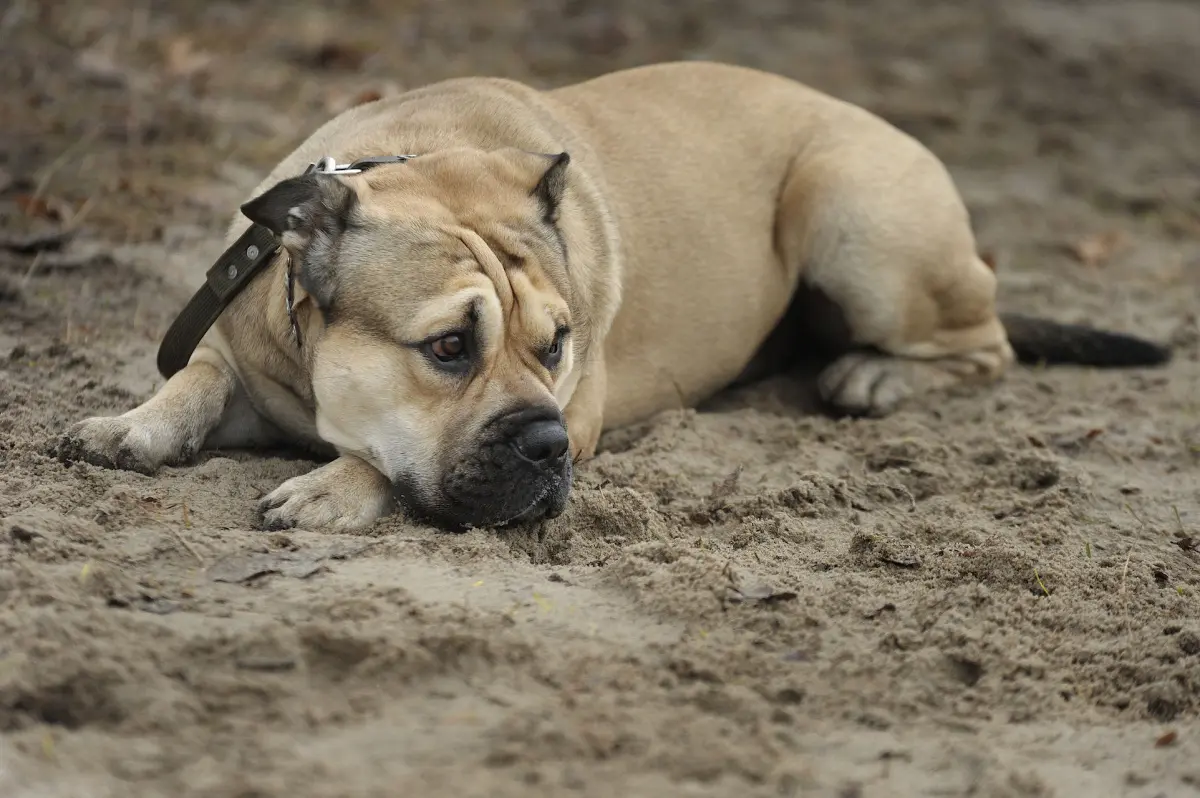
(519, 471)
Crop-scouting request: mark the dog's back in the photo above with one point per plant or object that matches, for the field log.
(696, 157)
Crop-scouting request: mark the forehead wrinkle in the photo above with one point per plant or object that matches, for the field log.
(491, 266)
(448, 311)
(537, 315)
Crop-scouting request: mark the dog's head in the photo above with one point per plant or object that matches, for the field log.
(447, 348)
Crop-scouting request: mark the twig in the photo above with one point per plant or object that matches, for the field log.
(1041, 584)
(1108, 450)
(1136, 517)
(61, 160)
(1124, 585)
(80, 214)
(37, 260)
(188, 546)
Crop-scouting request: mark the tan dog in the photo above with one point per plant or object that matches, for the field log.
(453, 310)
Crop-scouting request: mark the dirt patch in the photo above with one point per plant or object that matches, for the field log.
(994, 592)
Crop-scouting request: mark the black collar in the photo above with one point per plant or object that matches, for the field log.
(232, 272)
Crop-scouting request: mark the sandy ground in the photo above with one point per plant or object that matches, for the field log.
(993, 593)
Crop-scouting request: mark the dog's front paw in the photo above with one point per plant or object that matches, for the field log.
(344, 495)
(863, 384)
(120, 442)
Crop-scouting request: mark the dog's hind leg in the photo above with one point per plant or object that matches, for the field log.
(167, 429)
(888, 241)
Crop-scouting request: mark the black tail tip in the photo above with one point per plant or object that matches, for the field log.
(1107, 350)
(1036, 340)
(1148, 353)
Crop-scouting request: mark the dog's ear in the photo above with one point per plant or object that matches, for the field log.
(309, 214)
(552, 185)
(543, 175)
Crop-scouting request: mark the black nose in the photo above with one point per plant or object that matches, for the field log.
(542, 440)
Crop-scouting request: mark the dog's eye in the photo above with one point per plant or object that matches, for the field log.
(448, 348)
(555, 352)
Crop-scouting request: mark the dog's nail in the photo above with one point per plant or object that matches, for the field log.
(274, 522)
(129, 460)
(269, 502)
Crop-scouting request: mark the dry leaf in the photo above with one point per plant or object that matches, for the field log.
(368, 96)
(758, 594)
(1095, 249)
(240, 568)
(100, 66)
(739, 590)
(243, 568)
(183, 60)
(1167, 739)
(44, 207)
(904, 558)
(110, 584)
(724, 489)
(338, 101)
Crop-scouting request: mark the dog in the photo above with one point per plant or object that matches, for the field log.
(453, 327)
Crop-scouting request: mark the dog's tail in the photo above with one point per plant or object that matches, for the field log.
(1038, 340)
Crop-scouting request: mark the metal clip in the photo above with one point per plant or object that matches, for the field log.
(329, 166)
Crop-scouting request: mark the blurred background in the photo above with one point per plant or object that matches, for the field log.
(1069, 126)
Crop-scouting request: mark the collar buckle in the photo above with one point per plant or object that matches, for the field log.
(329, 165)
